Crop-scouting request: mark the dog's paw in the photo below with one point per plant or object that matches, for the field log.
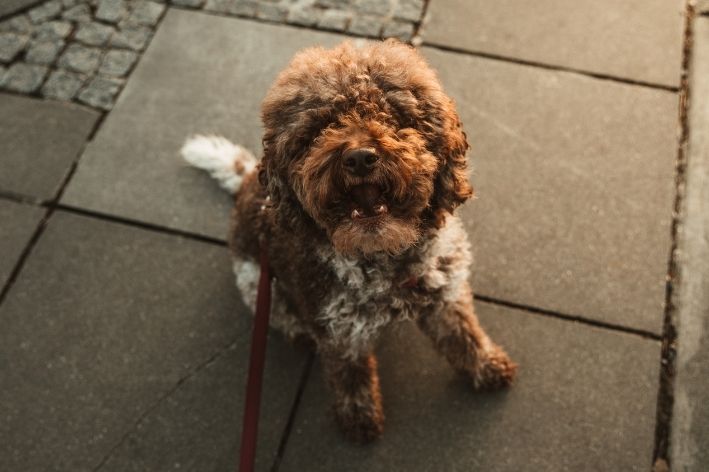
(494, 371)
(361, 424)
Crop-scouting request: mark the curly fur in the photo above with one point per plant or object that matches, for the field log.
(341, 278)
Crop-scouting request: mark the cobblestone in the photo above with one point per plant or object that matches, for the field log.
(398, 29)
(24, 78)
(43, 52)
(11, 44)
(245, 8)
(375, 7)
(334, 20)
(80, 13)
(18, 24)
(53, 30)
(367, 25)
(221, 6)
(80, 58)
(305, 16)
(237, 7)
(62, 85)
(409, 9)
(94, 34)
(117, 62)
(188, 3)
(335, 3)
(111, 11)
(101, 92)
(46, 11)
(272, 12)
(146, 13)
(132, 38)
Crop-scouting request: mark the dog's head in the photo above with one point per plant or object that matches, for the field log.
(365, 143)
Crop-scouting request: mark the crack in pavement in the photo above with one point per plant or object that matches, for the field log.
(196, 370)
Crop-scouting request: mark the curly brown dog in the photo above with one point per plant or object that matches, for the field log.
(363, 166)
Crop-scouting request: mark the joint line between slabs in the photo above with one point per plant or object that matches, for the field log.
(50, 206)
(567, 317)
(293, 412)
(141, 224)
(419, 24)
(553, 67)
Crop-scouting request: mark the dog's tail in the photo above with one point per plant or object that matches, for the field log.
(225, 161)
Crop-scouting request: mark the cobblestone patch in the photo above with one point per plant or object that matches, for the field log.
(82, 50)
(373, 18)
(76, 50)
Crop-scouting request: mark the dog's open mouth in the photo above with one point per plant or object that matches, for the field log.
(368, 202)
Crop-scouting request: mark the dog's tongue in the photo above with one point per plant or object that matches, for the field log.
(366, 196)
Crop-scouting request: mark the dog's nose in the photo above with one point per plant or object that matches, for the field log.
(360, 161)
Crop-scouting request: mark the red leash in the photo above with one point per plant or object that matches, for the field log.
(249, 430)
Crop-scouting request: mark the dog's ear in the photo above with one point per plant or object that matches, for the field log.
(273, 168)
(449, 144)
(269, 180)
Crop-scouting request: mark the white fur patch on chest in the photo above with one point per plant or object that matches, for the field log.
(377, 291)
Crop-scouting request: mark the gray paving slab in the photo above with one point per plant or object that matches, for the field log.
(213, 83)
(17, 224)
(8, 7)
(639, 40)
(690, 429)
(39, 140)
(584, 401)
(199, 427)
(575, 184)
(102, 330)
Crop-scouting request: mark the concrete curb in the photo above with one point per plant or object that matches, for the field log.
(691, 416)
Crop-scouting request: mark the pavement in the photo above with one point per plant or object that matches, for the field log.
(124, 343)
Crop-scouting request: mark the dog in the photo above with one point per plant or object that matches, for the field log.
(364, 164)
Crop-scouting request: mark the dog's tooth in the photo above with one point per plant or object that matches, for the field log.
(356, 214)
(380, 209)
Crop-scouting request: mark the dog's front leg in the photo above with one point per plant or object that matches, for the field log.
(457, 335)
(358, 402)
